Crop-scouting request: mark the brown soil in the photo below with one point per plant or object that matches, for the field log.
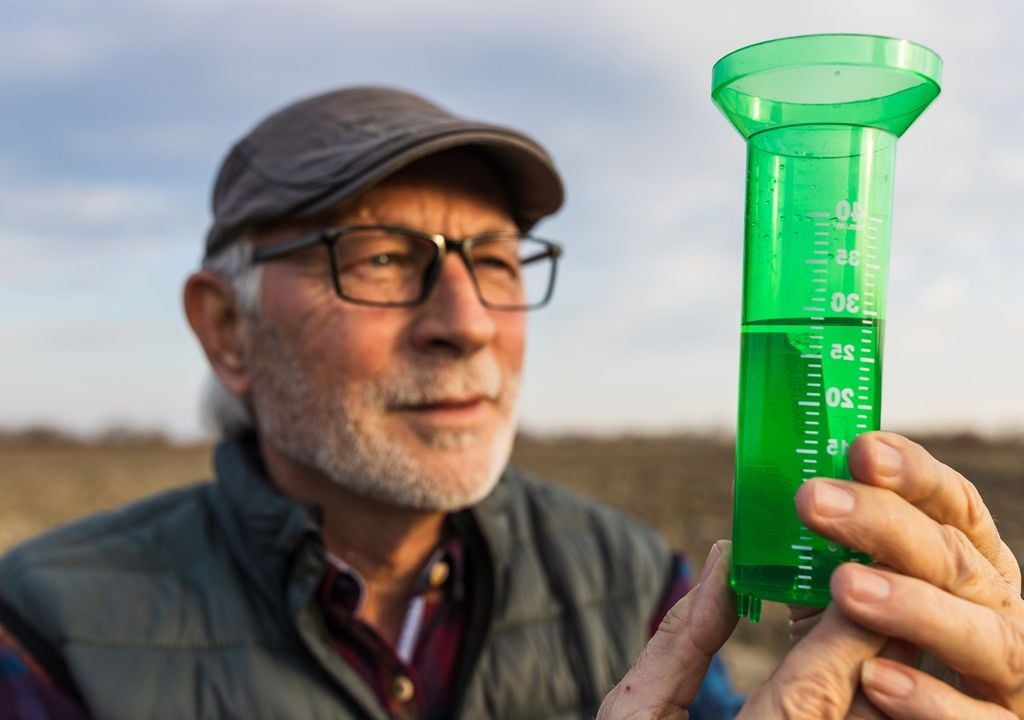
(679, 484)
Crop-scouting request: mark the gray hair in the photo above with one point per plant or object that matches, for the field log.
(224, 414)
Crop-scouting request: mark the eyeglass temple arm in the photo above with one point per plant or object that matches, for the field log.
(553, 252)
(291, 246)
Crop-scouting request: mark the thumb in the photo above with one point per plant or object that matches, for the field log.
(667, 676)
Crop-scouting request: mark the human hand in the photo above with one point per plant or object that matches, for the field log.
(668, 674)
(816, 681)
(944, 582)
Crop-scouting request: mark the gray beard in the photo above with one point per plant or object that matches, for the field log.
(326, 430)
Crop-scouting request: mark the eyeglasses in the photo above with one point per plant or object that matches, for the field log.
(394, 266)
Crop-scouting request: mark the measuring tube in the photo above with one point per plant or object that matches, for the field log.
(821, 115)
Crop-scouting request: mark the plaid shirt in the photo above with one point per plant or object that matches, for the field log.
(413, 681)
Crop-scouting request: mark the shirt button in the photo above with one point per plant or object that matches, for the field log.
(402, 689)
(439, 573)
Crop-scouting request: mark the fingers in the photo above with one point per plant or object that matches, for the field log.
(669, 672)
(819, 677)
(801, 621)
(862, 708)
(893, 462)
(984, 645)
(897, 535)
(903, 693)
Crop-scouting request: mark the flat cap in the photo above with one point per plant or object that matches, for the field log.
(317, 152)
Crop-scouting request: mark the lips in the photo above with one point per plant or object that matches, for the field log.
(460, 412)
(447, 404)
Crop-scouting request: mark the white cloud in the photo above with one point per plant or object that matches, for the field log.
(98, 207)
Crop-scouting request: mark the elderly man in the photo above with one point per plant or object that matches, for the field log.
(362, 304)
(364, 553)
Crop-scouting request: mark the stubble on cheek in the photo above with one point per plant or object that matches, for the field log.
(347, 429)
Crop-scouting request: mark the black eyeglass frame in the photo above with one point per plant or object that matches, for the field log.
(444, 244)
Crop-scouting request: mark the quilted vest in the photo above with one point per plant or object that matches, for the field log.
(200, 603)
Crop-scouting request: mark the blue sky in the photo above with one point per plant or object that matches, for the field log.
(117, 112)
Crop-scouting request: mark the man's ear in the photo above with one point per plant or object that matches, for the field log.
(219, 324)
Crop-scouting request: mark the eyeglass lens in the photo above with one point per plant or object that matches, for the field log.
(386, 266)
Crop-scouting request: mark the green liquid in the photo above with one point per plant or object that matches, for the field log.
(807, 389)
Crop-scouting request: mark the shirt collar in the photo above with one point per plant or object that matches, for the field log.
(343, 588)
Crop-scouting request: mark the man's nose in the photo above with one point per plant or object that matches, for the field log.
(453, 318)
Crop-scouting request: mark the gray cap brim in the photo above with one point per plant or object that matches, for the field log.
(321, 151)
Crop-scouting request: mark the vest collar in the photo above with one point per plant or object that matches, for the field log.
(270, 534)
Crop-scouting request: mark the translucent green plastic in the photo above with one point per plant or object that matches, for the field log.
(820, 115)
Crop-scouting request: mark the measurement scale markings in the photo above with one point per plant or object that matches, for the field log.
(818, 215)
(816, 262)
(863, 407)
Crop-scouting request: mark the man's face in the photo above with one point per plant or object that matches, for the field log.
(410, 406)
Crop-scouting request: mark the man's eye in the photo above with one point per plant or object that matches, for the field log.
(385, 259)
(498, 263)
(381, 260)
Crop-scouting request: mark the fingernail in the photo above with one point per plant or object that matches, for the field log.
(710, 563)
(890, 460)
(869, 586)
(886, 679)
(832, 500)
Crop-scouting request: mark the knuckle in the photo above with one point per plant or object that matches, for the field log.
(975, 512)
(1013, 638)
(812, 697)
(963, 573)
(674, 622)
(1011, 571)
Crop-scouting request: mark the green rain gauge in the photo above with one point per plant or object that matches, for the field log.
(821, 115)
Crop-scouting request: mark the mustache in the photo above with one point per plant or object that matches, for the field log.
(460, 379)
